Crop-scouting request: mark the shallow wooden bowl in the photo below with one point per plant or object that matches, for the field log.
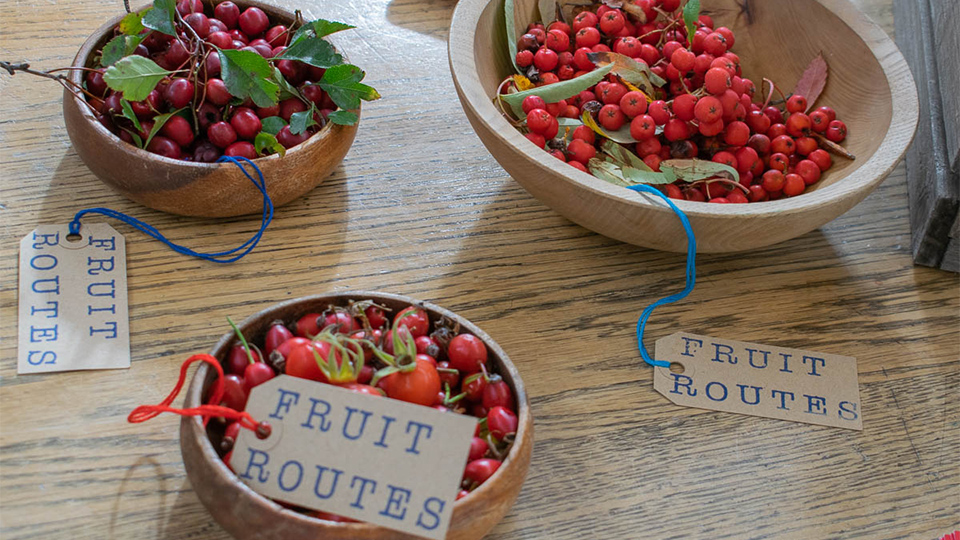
(197, 189)
(248, 515)
(869, 85)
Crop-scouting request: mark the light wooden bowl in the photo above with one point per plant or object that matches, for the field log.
(197, 189)
(869, 85)
(248, 515)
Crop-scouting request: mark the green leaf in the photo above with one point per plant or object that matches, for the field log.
(631, 71)
(319, 28)
(314, 51)
(266, 141)
(622, 135)
(509, 17)
(132, 24)
(300, 121)
(135, 76)
(158, 122)
(272, 124)
(247, 75)
(691, 170)
(691, 13)
(343, 118)
(128, 113)
(641, 176)
(553, 93)
(160, 17)
(343, 85)
(287, 90)
(607, 171)
(136, 137)
(623, 156)
(117, 48)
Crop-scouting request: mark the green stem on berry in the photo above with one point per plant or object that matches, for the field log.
(243, 340)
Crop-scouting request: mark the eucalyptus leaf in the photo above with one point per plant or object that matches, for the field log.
(641, 176)
(691, 14)
(691, 170)
(267, 141)
(161, 16)
(300, 121)
(628, 69)
(319, 28)
(132, 24)
(135, 76)
(127, 112)
(607, 171)
(272, 124)
(553, 93)
(343, 85)
(621, 135)
(624, 156)
(117, 48)
(510, 20)
(314, 51)
(248, 75)
(343, 118)
(158, 122)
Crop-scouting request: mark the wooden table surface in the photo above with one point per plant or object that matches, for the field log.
(420, 208)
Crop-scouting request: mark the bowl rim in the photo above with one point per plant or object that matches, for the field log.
(195, 388)
(89, 47)
(870, 173)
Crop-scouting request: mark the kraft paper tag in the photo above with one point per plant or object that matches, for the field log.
(73, 300)
(759, 380)
(370, 458)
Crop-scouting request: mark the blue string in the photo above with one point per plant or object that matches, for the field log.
(691, 274)
(243, 248)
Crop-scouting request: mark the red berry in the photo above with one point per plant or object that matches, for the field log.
(684, 105)
(793, 185)
(796, 104)
(643, 127)
(659, 111)
(524, 58)
(757, 193)
(557, 40)
(676, 130)
(831, 114)
(612, 22)
(821, 158)
(241, 149)
(806, 145)
(776, 117)
(720, 200)
(543, 123)
(610, 117)
(480, 470)
(533, 102)
(164, 147)
(715, 44)
(222, 134)
(179, 130)
(784, 144)
(726, 158)
(809, 171)
(712, 128)
(581, 150)
(199, 22)
(717, 80)
(536, 139)
(780, 162)
(633, 104)
(708, 109)
(585, 19)
(736, 134)
(737, 197)
(545, 59)
(758, 121)
(228, 12)
(253, 21)
(773, 180)
(277, 36)
(290, 106)
(246, 123)
(837, 131)
(611, 93)
(585, 134)
(501, 422)
(798, 124)
(286, 138)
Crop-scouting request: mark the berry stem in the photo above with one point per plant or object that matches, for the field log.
(243, 340)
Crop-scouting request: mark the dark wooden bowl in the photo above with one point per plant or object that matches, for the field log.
(870, 87)
(248, 515)
(197, 189)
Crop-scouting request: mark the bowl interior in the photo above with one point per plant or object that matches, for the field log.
(774, 40)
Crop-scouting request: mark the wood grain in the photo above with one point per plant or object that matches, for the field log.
(419, 208)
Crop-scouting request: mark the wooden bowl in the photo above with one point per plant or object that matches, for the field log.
(197, 189)
(869, 85)
(248, 515)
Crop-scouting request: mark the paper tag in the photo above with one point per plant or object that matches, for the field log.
(365, 457)
(73, 300)
(759, 380)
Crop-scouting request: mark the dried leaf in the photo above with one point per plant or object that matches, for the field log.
(607, 171)
(135, 76)
(813, 80)
(691, 170)
(623, 156)
(691, 14)
(833, 147)
(640, 176)
(622, 135)
(522, 83)
(553, 93)
(629, 70)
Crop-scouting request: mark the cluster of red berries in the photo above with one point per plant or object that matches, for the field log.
(217, 125)
(705, 109)
(410, 358)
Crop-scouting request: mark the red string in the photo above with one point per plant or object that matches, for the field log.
(211, 409)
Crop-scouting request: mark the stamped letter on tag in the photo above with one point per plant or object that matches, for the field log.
(759, 380)
(73, 300)
(370, 458)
